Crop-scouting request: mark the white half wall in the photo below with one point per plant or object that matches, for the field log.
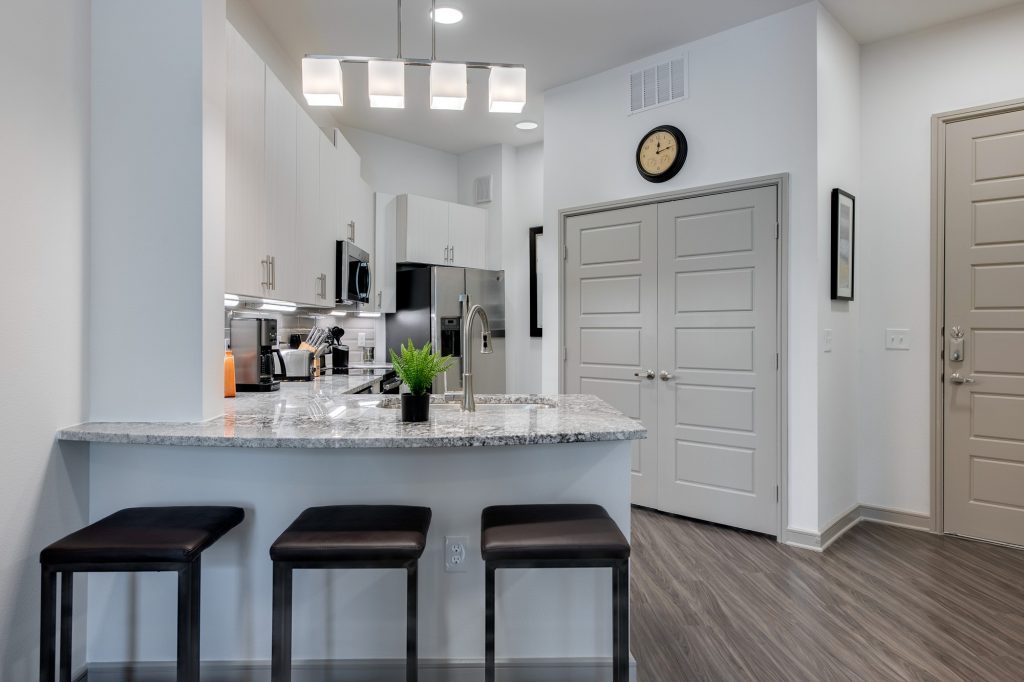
(839, 379)
(750, 113)
(44, 210)
(905, 81)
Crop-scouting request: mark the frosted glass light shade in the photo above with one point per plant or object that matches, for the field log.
(387, 84)
(448, 86)
(507, 90)
(321, 82)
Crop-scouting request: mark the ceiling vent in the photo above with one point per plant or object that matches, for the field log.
(657, 85)
(482, 188)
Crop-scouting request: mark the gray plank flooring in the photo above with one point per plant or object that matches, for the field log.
(882, 603)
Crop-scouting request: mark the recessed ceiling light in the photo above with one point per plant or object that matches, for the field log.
(447, 15)
(527, 125)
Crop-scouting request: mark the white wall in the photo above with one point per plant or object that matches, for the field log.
(157, 207)
(526, 210)
(839, 380)
(398, 167)
(44, 134)
(904, 82)
(751, 112)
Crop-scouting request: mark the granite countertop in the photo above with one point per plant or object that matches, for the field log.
(323, 414)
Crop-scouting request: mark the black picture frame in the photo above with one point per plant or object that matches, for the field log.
(844, 224)
(536, 324)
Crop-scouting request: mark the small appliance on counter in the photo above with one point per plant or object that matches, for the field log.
(339, 352)
(253, 343)
(293, 364)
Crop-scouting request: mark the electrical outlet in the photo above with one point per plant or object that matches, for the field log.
(455, 553)
(828, 341)
(897, 339)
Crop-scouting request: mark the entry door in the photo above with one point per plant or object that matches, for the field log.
(611, 294)
(718, 372)
(984, 294)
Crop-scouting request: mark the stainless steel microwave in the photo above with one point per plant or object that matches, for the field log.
(352, 281)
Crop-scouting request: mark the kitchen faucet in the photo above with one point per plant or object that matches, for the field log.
(468, 399)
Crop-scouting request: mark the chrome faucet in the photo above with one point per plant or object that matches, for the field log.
(468, 399)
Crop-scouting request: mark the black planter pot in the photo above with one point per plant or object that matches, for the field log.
(415, 408)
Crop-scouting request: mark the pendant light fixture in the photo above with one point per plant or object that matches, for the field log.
(507, 88)
(321, 82)
(321, 79)
(448, 87)
(387, 84)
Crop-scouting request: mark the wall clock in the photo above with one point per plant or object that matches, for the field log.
(661, 153)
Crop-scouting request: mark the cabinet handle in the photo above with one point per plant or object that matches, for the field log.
(273, 273)
(453, 253)
(265, 283)
(380, 298)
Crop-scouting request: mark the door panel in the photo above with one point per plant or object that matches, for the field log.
(717, 402)
(984, 275)
(611, 294)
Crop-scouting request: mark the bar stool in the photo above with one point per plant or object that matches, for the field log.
(557, 536)
(132, 540)
(353, 536)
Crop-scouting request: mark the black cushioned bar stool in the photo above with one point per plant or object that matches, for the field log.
(132, 540)
(353, 536)
(558, 536)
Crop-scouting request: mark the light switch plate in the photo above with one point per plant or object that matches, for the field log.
(897, 339)
(828, 341)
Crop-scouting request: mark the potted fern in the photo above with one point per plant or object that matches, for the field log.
(417, 367)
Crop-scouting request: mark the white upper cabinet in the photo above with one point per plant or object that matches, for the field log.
(385, 257)
(280, 198)
(330, 213)
(311, 231)
(246, 270)
(467, 236)
(440, 232)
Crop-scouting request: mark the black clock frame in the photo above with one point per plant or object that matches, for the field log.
(680, 159)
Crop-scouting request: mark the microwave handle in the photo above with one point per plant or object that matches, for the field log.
(362, 271)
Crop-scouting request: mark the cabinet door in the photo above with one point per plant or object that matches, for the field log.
(279, 192)
(350, 197)
(384, 257)
(423, 230)
(330, 211)
(310, 232)
(245, 243)
(468, 236)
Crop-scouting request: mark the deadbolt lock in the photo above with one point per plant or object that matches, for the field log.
(956, 344)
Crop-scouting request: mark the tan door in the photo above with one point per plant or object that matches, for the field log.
(611, 294)
(717, 341)
(984, 294)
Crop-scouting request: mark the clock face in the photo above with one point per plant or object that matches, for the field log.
(661, 153)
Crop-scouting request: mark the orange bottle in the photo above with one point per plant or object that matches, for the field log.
(229, 374)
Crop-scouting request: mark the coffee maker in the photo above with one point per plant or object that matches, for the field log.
(254, 343)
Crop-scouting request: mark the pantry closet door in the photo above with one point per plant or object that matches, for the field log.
(717, 423)
(611, 294)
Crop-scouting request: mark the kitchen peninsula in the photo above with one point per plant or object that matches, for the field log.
(275, 454)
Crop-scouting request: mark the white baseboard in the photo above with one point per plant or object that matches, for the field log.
(818, 542)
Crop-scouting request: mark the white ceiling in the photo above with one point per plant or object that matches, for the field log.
(559, 41)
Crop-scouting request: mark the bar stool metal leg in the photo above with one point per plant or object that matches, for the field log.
(489, 624)
(620, 597)
(66, 600)
(48, 626)
(411, 635)
(188, 621)
(281, 625)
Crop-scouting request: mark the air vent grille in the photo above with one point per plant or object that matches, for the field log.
(482, 188)
(657, 85)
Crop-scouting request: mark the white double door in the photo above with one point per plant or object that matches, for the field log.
(671, 316)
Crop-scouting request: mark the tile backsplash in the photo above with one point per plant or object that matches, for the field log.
(368, 329)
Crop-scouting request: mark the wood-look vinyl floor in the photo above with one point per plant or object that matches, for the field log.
(882, 603)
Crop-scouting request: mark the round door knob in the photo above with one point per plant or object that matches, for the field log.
(666, 376)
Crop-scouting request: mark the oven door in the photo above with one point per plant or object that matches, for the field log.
(353, 274)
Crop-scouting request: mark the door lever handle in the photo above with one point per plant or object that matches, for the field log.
(646, 374)
(955, 378)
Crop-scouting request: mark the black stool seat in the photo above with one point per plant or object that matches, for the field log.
(354, 533)
(550, 532)
(145, 534)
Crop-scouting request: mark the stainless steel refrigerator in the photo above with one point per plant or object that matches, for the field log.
(428, 308)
